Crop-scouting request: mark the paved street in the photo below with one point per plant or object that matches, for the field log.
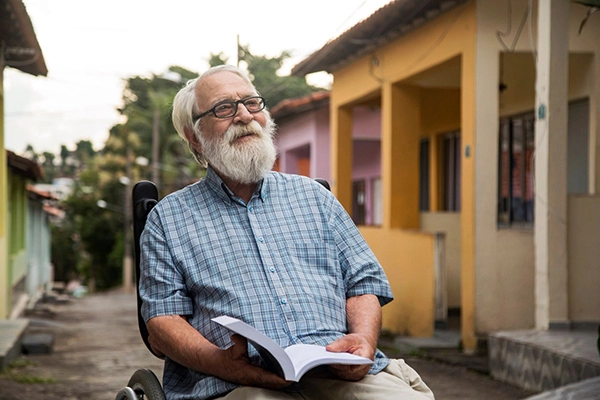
(98, 347)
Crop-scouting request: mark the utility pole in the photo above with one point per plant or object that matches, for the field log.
(156, 147)
(127, 214)
(237, 59)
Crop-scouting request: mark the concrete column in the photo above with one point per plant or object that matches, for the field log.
(400, 138)
(551, 286)
(341, 154)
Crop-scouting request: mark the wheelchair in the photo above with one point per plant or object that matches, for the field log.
(144, 384)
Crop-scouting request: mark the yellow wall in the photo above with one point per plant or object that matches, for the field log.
(408, 261)
(392, 73)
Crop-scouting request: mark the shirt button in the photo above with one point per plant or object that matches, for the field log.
(260, 239)
(272, 269)
(251, 209)
(283, 301)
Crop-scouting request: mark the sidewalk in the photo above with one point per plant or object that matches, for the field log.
(577, 345)
(98, 347)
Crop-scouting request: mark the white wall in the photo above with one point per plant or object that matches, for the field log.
(504, 256)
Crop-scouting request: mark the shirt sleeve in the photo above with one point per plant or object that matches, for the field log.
(162, 286)
(362, 272)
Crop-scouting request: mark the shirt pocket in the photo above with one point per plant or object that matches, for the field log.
(316, 269)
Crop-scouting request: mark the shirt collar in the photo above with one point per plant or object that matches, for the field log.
(216, 184)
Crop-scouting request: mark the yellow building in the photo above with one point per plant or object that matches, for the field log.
(20, 49)
(490, 124)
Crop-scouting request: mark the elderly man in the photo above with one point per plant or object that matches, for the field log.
(274, 250)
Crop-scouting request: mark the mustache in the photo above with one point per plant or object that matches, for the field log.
(237, 131)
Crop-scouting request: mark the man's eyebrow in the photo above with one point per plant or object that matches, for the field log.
(226, 99)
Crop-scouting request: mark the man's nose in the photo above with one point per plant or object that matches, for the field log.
(243, 115)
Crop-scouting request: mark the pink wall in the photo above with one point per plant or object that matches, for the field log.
(307, 135)
(307, 132)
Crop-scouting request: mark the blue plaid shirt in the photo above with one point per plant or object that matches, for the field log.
(285, 262)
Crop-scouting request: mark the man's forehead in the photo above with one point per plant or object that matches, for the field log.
(224, 85)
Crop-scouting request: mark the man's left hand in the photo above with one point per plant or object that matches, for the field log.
(353, 344)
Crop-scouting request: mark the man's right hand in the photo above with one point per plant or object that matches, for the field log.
(236, 368)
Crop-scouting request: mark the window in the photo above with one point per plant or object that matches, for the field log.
(358, 203)
(449, 182)
(451, 171)
(515, 180)
(424, 175)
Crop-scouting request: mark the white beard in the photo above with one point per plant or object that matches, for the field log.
(247, 162)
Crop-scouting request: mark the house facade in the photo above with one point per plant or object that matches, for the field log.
(29, 267)
(20, 50)
(303, 142)
(489, 127)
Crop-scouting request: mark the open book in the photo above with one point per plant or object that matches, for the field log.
(294, 361)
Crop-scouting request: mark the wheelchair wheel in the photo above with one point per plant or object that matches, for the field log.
(146, 385)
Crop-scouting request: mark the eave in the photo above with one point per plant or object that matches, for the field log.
(386, 24)
(18, 42)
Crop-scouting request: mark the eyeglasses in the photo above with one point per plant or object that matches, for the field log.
(228, 109)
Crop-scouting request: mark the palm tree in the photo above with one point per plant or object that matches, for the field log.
(594, 5)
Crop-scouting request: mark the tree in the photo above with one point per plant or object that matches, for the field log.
(147, 106)
(273, 87)
(594, 5)
(49, 166)
(217, 59)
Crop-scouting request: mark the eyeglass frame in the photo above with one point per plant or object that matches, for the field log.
(236, 104)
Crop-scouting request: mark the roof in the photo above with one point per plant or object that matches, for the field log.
(289, 107)
(19, 43)
(23, 166)
(386, 24)
(40, 194)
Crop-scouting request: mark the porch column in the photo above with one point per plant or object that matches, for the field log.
(551, 290)
(341, 154)
(401, 128)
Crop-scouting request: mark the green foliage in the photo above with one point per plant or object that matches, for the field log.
(16, 371)
(273, 87)
(217, 59)
(64, 250)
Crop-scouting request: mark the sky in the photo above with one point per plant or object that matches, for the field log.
(91, 48)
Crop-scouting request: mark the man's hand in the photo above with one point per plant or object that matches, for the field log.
(178, 340)
(236, 368)
(364, 322)
(354, 344)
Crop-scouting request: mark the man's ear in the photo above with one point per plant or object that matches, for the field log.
(192, 139)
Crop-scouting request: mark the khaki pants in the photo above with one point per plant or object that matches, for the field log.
(396, 381)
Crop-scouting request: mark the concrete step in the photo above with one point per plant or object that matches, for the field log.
(543, 360)
(11, 336)
(38, 343)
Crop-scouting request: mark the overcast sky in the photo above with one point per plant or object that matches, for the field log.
(90, 48)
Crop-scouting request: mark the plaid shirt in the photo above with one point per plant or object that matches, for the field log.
(285, 262)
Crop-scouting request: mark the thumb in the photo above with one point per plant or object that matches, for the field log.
(240, 346)
(342, 344)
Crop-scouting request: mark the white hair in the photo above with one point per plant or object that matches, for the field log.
(185, 106)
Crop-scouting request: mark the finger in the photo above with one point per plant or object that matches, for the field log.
(240, 346)
(349, 373)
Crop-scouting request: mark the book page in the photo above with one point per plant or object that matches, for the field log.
(307, 356)
(262, 343)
